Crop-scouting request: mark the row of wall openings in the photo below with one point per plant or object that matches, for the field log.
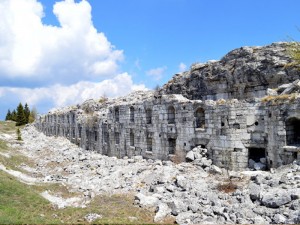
(199, 115)
(131, 115)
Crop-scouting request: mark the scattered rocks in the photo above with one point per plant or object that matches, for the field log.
(187, 191)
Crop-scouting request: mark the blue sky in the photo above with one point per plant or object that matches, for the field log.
(56, 56)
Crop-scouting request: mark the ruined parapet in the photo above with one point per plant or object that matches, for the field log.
(243, 73)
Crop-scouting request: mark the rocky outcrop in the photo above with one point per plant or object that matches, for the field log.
(243, 73)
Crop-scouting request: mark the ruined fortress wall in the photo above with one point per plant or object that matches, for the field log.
(168, 127)
(243, 107)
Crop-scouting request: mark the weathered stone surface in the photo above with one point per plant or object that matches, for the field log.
(162, 212)
(276, 198)
(259, 166)
(254, 191)
(236, 74)
(215, 170)
(190, 156)
(147, 201)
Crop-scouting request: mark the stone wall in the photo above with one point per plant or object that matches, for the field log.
(168, 126)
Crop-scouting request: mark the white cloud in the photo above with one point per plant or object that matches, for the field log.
(156, 73)
(60, 95)
(182, 67)
(68, 53)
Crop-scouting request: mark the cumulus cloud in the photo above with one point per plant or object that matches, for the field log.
(156, 73)
(182, 67)
(68, 53)
(59, 95)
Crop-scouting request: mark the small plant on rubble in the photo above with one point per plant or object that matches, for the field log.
(19, 138)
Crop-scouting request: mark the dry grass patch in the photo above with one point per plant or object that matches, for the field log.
(279, 99)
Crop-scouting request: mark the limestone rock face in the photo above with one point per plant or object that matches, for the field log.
(243, 73)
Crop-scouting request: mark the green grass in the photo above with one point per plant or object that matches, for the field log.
(22, 203)
(3, 146)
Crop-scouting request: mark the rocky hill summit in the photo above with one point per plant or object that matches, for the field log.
(243, 73)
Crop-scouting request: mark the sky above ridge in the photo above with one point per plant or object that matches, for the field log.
(57, 53)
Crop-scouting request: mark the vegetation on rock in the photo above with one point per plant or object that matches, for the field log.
(294, 52)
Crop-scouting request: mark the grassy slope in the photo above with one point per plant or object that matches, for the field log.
(21, 203)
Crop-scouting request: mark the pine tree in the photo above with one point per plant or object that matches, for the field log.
(21, 120)
(8, 115)
(26, 113)
(14, 115)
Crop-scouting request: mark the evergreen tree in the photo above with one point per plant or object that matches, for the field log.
(8, 115)
(21, 120)
(14, 115)
(26, 113)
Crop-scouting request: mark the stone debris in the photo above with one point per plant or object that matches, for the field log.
(185, 191)
(92, 217)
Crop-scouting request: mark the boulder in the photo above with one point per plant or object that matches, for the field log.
(190, 156)
(279, 219)
(182, 182)
(146, 201)
(206, 162)
(259, 166)
(251, 163)
(215, 170)
(263, 160)
(163, 211)
(254, 191)
(276, 198)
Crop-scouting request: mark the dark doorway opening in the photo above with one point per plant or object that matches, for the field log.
(172, 145)
(256, 154)
(293, 131)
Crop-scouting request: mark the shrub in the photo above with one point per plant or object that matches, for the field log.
(19, 138)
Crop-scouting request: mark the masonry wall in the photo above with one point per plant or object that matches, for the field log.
(168, 126)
